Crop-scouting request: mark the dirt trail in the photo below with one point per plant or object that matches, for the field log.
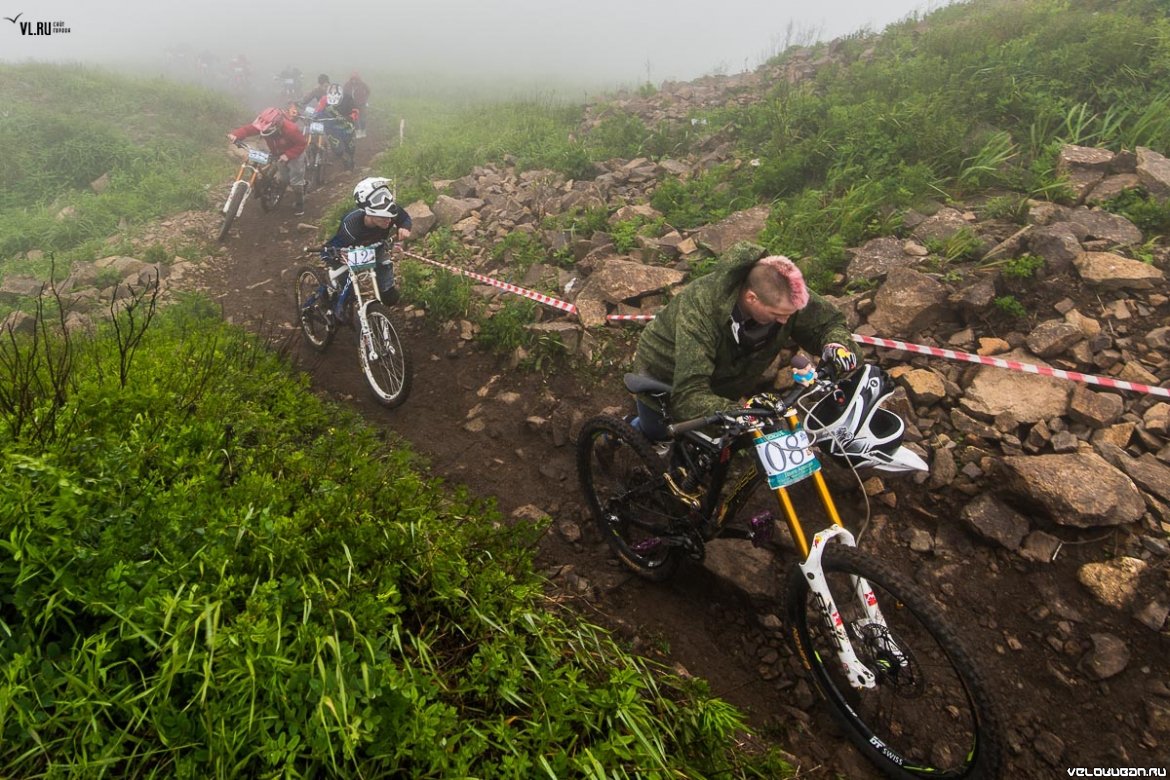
(1056, 716)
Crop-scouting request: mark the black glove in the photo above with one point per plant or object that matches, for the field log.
(840, 356)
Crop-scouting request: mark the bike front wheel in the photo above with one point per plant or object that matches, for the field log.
(313, 166)
(313, 309)
(385, 359)
(622, 479)
(930, 714)
(229, 214)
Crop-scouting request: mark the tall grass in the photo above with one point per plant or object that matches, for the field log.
(206, 571)
(64, 126)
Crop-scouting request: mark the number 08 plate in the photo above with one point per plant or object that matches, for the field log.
(787, 457)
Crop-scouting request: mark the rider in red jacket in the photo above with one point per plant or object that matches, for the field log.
(286, 141)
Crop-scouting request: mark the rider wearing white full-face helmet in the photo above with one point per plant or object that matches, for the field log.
(378, 217)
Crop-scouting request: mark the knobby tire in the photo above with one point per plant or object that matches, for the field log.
(273, 192)
(931, 714)
(230, 215)
(312, 309)
(386, 362)
(621, 477)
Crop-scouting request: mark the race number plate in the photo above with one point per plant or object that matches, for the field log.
(258, 156)
(309, 110)
(317, 127)
(787, 457)
(359, 258)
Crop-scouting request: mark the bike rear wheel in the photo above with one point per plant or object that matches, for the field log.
(272, 193)
(229, 215)
(930, 714)
(313, 309)
(385, 359)
(622, 479)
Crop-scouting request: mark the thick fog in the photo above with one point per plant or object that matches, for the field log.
(589, 42)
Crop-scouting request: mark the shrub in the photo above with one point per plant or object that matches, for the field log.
(208, 571)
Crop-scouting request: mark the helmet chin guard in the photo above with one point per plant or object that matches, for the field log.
(851, 427)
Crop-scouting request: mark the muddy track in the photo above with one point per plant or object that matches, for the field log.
(470, 416)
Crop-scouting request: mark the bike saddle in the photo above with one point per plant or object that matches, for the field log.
(640, 383)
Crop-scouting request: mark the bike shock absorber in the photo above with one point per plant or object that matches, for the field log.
(692, 500)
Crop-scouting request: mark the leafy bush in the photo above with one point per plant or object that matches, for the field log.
(1022, 267)
(521, 251)
(689, 203)
(1151, 215)
(507, 328)
(207, 571)
(1011, 306)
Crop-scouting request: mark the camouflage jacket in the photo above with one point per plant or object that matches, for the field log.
(689, 343)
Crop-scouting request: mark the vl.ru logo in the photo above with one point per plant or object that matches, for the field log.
(37, 28)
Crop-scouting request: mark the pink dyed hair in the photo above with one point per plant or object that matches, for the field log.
(793, 278)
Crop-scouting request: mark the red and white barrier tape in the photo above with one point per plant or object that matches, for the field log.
(547, 300)
(949, 354)
(1014, 365)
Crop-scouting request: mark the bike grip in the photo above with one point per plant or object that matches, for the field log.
(690, 425)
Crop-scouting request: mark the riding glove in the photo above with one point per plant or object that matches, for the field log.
(841, 356)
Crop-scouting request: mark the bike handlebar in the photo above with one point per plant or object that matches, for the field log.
(825, 374)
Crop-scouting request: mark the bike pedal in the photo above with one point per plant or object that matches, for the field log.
(761, 528)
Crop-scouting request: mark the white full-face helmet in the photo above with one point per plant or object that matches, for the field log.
(333, 94)
(850, 425)
(375, 197)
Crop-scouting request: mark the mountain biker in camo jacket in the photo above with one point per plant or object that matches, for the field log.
(714, 340)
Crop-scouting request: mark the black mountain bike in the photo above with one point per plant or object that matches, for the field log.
(347, 293)
(873, 643)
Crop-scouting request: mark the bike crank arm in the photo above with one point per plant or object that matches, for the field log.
(859, 675)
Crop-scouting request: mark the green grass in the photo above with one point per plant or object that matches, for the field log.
(207, 571)
(64, 126)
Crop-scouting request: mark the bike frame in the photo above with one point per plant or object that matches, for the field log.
(714, 513)
(362, 285)
(246, 177)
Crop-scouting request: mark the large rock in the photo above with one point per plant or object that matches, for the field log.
(741, 226)
(1077, 489)
(450, 210)
(945, 223)
(616, 280)
(874, 259)
(1115, 582)
(1029, 398)
(1149, 473)
(1154, 171)
(996, 521)
(17, 290)
(1104, 226)
(1056, 244)
(422, 219)
(1111, 271)
(908, 302)
(1095, 409)
(749, 568)
(1052, 337)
